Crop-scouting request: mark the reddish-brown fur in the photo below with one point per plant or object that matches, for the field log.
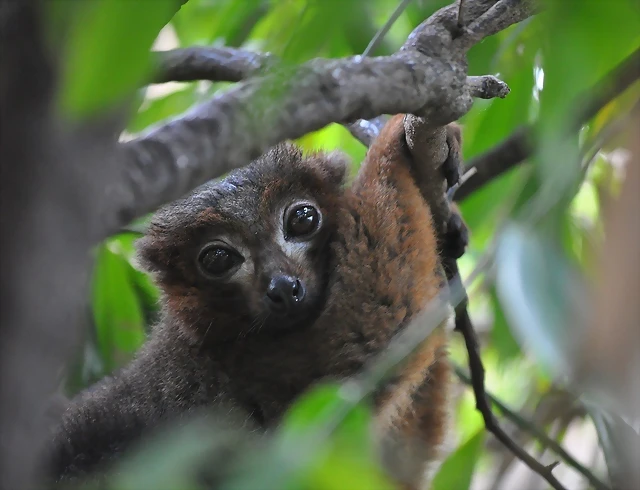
(382, 268)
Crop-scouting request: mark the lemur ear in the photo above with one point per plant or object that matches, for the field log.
(150, 255)
(147, 255)
(335, 165)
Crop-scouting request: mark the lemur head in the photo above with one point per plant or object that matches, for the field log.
(250, 253)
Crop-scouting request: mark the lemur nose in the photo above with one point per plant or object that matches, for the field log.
(284, 294)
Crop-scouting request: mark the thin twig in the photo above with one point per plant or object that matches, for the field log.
(539, 434)
(460, 14)
(373, 44)
(465, 327)
(466, 176)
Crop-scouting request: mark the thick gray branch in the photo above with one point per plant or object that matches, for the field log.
(226, 64)
(426, 77)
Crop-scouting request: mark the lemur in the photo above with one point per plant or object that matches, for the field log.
(274, 278)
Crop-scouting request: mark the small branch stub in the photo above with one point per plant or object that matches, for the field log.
(487, 87)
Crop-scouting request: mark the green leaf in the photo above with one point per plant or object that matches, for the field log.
(319, 406)
(117, 312)
(343, 468)
(481, 56)
(108, 52)
(457, 470)
(298, 30)
(483, 208)
(335, 137)
(490, 122)
(228, 22)
(538, 291)
(319, 445)
(147, 291)
(349, 460)
(175, 456)
(501, 337)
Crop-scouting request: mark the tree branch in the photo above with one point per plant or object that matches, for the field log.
(427, 77)
(426, 143)
(209, 63)
(373, 44)
(539, 434)
(500, 16)
(520, 145)
(51, 188)
(465, 327)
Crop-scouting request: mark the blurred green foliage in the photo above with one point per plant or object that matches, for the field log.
(521, 311)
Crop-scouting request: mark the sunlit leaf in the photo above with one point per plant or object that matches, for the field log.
(148, 293)
(107, 53)
(202, 22)
(335, 137)
(116, 309)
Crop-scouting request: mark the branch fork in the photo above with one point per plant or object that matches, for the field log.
(426, 77)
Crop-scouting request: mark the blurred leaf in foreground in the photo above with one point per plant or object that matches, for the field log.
(539, 292)
(310, 451)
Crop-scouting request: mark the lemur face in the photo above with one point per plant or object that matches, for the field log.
(251, 250)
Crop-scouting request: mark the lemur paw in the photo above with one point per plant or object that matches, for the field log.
(456, 237)
(452, 166)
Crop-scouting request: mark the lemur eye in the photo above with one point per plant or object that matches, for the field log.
(217, 260)
(301, 221)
